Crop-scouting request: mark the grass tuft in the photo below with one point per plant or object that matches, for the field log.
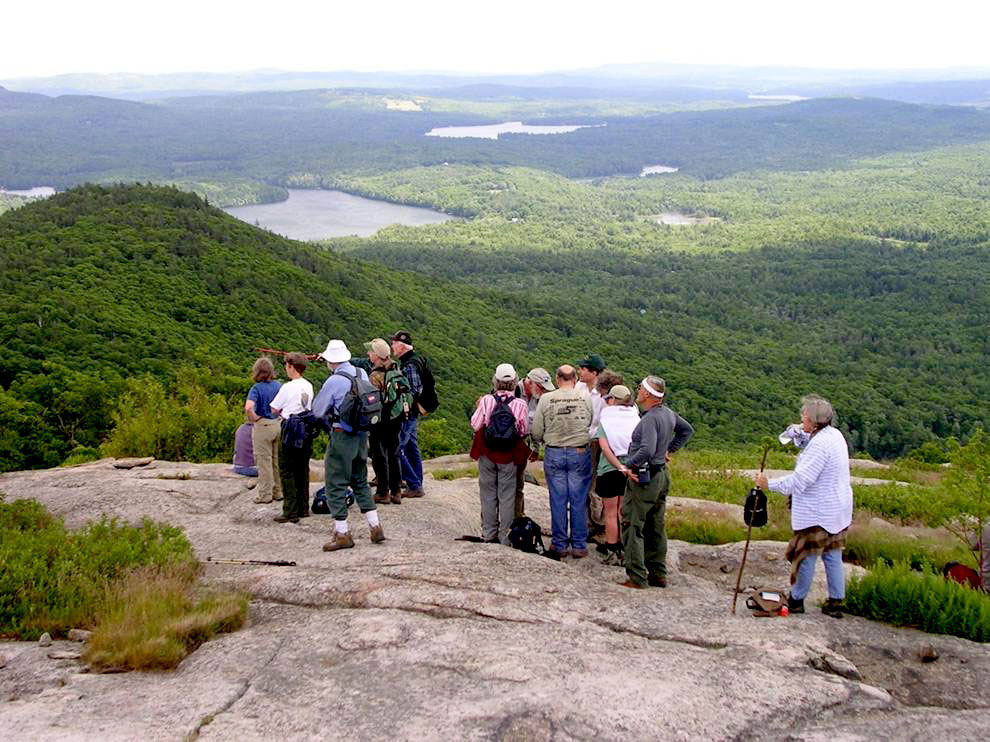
(449, 474)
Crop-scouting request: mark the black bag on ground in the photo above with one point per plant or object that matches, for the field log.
(320, 505)
(526, 535)
(501, 433)
(755, 509)
(361, 408)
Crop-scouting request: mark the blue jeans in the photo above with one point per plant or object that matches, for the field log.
(834, 575)
(410, 462)
(568, 473)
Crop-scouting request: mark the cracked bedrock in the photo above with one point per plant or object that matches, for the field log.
(425, 637)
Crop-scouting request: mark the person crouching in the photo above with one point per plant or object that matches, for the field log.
(500, 423)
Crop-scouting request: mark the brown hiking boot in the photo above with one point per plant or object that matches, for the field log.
(377, 535)
(397, 498)
(381, 498)
(340, 541)
(414, 493)
(634, 585)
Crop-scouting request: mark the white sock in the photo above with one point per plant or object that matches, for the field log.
(340, 526)
(372, 516)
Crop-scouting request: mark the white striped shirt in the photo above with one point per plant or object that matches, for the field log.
(819, 485)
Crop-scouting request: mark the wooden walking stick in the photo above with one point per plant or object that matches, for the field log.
(754, 513)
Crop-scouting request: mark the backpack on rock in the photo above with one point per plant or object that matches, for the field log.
(526, 535)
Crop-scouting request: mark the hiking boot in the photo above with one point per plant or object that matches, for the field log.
(285, 519)
(340, 541)
(377, 535)
(418, 492)
(634, 585)
(794, 605)
(833, 607)
(602, 549)
(381, 498)
(262, 500)
(656, 581)
(396, 498)
(579, 553)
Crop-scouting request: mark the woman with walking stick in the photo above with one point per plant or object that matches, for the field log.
(821, 505)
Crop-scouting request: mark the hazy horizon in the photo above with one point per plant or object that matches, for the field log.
(510, 38)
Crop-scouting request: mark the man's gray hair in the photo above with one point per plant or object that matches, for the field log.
(507, 385)
(658, 385)
(819, 411)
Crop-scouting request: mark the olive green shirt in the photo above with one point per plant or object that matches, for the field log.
(562, 418)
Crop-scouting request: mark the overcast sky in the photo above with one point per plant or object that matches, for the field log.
(47, 37)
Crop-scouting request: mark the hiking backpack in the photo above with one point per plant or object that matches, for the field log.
(396, 397)
(427, 399)
(361, 408)
(500, 432)
(526, 535)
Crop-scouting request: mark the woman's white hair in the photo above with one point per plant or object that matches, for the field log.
(819, 411)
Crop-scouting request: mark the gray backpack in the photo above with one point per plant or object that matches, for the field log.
(361, 408)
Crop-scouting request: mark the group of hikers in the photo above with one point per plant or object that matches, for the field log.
(605, 447)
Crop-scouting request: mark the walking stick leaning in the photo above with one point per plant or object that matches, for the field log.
(278, 563)
(754, 514)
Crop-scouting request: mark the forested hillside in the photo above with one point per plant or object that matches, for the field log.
(311, 137)
(100, 284)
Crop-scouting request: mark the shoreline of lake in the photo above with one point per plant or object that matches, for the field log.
(316, 214)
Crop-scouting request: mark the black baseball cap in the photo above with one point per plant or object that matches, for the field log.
(403, 337)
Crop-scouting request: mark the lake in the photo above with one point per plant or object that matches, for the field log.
(680, 219)
(38, 192)
(317, 214)
(657, 170)
(492, 131)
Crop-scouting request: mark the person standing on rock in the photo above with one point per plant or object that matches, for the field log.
(293, 400)
(529, 390)
(659, 433)
(346, 459)
(500, 423)
(561, 422)
(265, 430)
(591, 370)
(618, 420)
(821, 506)
(409, 456)
(383, 438)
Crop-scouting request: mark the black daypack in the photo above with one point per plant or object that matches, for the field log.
(361, 408)
(427, 397)
(500, 432)
(526, 535)
(755, 508)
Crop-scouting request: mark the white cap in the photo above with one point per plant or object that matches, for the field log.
(505, 372)
(336, 352)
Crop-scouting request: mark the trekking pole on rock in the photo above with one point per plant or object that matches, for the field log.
(754, 510)
(278, 563)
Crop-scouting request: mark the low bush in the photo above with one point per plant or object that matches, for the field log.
(133, 585)
(901, 596)
(448, 474)
(870, 547)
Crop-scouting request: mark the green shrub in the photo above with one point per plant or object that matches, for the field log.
(186, 425)
(52, 579)
(437, 437)
(81, 455)
(447, 474)
(923, 600)
(870, 547)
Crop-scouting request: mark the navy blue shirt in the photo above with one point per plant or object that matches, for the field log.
(262, 395)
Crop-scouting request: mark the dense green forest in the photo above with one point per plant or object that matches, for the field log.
(103, 284)
(312, 137)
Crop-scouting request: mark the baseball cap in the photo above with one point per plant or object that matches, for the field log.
(505, 372)
(542, 377)
(379, 347)
(403, 336)
(619, 393)
(594, 361)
